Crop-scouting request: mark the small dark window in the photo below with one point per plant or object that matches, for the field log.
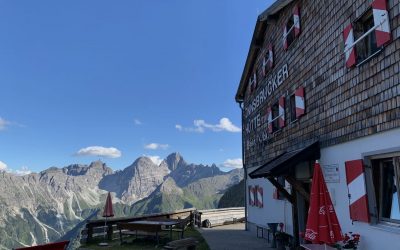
(386, 184)
(290, 36)
(275, 116)
(292, 106)
(367, 46)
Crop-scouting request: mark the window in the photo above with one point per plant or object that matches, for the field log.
(367, 35)
(367, 47)
(281, 181)
(386, 180)
(268, 60)
(292, 28)
(275, 117)
(290, 31)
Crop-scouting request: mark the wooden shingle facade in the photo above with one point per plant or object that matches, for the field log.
(342, 104)
(321, 82)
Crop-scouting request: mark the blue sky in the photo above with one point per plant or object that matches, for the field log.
(132, 78)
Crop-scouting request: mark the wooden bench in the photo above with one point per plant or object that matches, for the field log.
(188, 243)
(138, 230)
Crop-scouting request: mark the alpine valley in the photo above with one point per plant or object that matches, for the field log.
(51, 205)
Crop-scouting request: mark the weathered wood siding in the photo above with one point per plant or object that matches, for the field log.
(341, 104)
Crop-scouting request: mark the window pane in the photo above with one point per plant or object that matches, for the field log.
(367, 46)
(390, 204)
(275, 114)
(292, 108)
(395, 213)
(290, 35)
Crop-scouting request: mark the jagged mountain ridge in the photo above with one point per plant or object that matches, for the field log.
(42, 207)
(203, 193)
(136, 181)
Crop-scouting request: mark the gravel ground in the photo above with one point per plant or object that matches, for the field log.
(232, 237)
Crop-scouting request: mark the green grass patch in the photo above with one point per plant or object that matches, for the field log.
(146, 244)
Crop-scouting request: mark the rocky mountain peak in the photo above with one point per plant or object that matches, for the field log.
(174, 161)
(97, 164)
(143, 161)
(96, 167)
(99, 168)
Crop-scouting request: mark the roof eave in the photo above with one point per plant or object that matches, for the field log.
(256, 43)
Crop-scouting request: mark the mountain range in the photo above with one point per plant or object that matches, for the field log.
(44, 207)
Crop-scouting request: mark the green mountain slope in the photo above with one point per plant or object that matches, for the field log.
(233, 197)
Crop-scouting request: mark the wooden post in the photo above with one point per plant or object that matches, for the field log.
(110, 231)
(285, 193)
(199, 219)
(89, 237)
(191, 219)
(299, 188)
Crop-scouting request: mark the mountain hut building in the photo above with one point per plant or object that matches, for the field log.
(321, 81)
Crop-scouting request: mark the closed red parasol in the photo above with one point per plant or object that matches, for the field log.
(108, 212)
(322, 223)
(108, 208)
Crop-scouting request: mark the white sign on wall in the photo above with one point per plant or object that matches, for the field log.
(331, 173)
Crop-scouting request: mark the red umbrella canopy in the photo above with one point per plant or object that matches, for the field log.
(322, 222)
(108, 208)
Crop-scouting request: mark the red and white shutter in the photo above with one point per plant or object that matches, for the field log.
(285, 43)
(299, 102)
(251, 196)
(381, 18)
(281, 118)
(296, 19)
(269, 119)
(357, 191)
(260, 196)
(350, 53)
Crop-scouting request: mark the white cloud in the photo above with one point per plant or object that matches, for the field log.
(155, 158)
(100, 151)
(227, 125)
(200, 126)
(233, 163)
(137, 122)
(155, 146)
(3, 166)
(4, 124)
(24, 171)
(179, 127)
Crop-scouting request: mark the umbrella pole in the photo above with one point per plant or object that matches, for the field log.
(105, 226)
(105, 235)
